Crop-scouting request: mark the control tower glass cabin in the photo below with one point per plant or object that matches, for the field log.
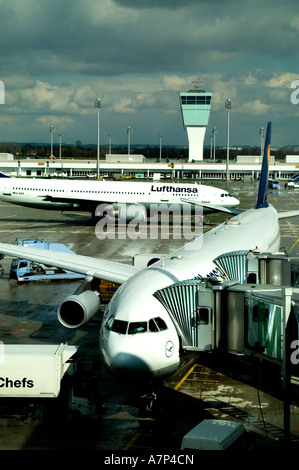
(195, 107)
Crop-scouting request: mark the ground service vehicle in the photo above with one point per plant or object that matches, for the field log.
(27, 271)
(215, 434)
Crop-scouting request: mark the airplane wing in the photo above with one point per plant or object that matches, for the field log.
(285, 215)
(87, 265)
(213, 207)
(89, 203)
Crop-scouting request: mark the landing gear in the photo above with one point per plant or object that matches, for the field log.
(150, 405)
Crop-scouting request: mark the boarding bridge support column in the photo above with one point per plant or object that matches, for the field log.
(286, 376)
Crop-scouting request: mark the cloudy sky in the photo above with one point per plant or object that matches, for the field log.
(58, 56)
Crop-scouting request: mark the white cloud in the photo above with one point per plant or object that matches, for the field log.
(256, 108)
(124, 106)
(282, 80)
(59, 122)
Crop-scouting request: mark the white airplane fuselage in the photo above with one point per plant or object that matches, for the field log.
(157, 352)
(84, 195)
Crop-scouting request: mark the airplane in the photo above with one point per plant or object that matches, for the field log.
(137, 335)
(87, 196)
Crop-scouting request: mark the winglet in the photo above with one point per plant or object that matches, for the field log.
(262, 195)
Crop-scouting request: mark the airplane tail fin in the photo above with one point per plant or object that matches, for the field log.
(262, 194)
(2, 175)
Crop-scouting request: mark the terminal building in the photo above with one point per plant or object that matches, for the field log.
(119, 167)
(195, 107)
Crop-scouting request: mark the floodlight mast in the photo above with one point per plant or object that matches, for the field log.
(228, 107)
(97, 105)
(129, 139)
(52, 129)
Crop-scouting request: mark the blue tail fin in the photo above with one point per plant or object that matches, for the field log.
(262, 195)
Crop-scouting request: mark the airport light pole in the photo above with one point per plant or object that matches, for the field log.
(60, 146)
(109, 140)
(129, 139)
(160, 154)
(262, 138)
(51, 140)
(214, 137)
(228, 107)
(97, 105)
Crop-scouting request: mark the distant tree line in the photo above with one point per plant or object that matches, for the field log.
(89, 152)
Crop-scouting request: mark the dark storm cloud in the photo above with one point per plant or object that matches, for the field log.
(166, 4)
(107, 38)
(162, 4)
(65, 48)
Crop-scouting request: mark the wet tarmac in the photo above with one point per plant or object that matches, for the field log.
(233, 388)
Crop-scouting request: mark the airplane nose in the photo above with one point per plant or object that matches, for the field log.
(126, 363)
(235, 201)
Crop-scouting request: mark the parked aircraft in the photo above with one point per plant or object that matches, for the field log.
(137, 334)
(86, 196)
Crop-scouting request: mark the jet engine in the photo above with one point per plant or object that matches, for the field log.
(79, 308)
(124, 213)
(136, 212)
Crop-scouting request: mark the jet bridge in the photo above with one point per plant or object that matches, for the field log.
(240, 266)
(232, 315)
(190, 306)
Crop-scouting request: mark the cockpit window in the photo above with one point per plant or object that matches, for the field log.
(137, 327)
(133, 328)
(161, 324)
(120, 326)
(153, 325)
(109, 322)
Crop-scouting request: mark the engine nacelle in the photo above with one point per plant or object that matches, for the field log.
(124, 213)
(78, 309)
(136, 212)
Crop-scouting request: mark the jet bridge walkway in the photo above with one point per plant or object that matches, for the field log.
(236, 316)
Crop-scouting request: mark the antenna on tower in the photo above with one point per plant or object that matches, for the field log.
(196, 83)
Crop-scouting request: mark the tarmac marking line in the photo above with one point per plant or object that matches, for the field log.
(134, 438)
(294, 244)
(185, 377)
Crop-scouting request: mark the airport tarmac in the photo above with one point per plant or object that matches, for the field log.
(205, 386)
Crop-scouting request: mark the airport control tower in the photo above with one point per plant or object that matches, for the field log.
(195, 106)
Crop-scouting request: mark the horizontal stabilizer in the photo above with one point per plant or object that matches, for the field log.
(285, 215)
(212, 207)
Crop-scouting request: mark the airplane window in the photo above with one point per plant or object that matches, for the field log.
(161, 324)
(109, 323)
(137, 327)
(120, 326)
(153, 326)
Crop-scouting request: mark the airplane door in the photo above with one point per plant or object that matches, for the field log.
(204, 324)
(6, 191)
(204, 320)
